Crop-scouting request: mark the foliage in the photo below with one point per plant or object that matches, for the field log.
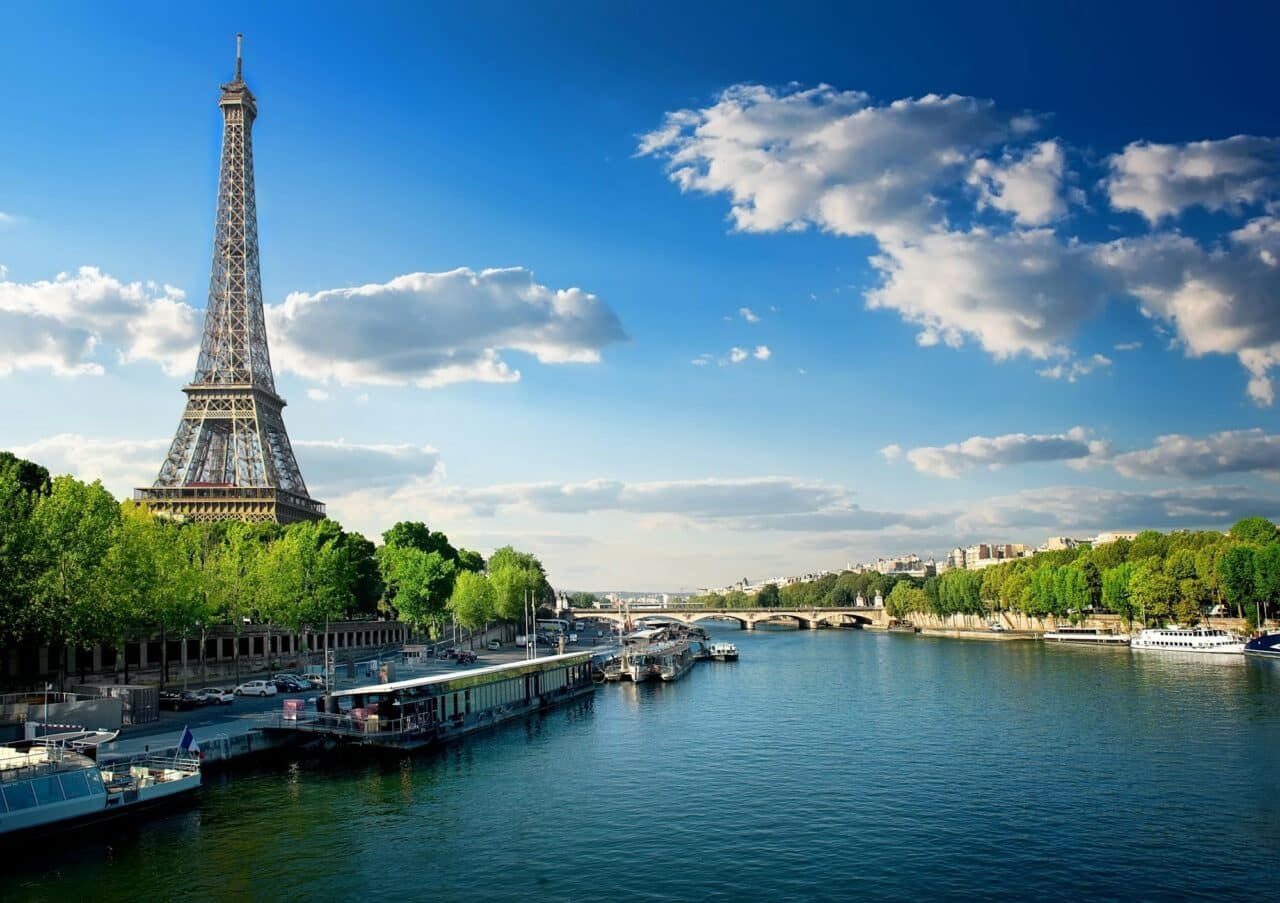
(474, 602)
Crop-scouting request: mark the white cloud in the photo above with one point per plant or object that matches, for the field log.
(762, 353)
(1127, 346)
(1019, 292)
(331, 468)
(1074, 369)
(995, 452)
(432, 329)
(1220, 301)
(1161, 180)
(317, 394)
(748, 314)
(1028, 185)
(737, 355)
(60, 325)
(1189, 457)
(797, 157)
(6, 219)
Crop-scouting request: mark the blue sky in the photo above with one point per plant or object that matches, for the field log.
(949, 226)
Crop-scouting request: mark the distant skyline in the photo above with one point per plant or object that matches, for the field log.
(673, 295)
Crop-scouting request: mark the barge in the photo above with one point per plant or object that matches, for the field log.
(423, 711)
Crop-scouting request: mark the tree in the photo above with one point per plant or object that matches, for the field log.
(768, 596)
(368, 590)
(21, 486)
(470, 561)
(1266, 578)
(1193, 596)
(1153, 592)
(1256, 530)
(1149, 544)
(905, 599)
(1237, 575)
(1115, 591)
(473, 602)
(72, 529)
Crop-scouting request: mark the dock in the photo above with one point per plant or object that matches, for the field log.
(423, 711)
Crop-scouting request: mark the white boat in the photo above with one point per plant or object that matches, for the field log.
(1100, 636)
(47, 786)
(1193, 639)
(723, 652)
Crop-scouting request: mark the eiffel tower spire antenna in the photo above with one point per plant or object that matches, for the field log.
(231, 457)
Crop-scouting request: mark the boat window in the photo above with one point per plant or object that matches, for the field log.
(73, 785)
(95, 781)
(19, 796)
(47, 790)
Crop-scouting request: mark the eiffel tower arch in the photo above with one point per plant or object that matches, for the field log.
(231, 458)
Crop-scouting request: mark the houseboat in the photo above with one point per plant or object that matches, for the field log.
(723, 652)
(47, 786)
(1205, 640)
(1267, 646)
(422, 711)
(1097, 636)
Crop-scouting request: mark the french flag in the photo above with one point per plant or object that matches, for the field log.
(188, 743)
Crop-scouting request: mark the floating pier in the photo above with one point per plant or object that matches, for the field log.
(408, 714)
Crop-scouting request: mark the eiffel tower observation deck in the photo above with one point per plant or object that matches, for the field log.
(231, 458)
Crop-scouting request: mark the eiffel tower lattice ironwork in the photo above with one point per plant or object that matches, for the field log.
(231, 458)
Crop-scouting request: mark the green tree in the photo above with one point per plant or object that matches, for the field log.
(1266, 578)
(22, 483)
(905, 599)
(1256, 530)
(1237, 576)
(1115, 591)
(419, 583)
(1193, 596)
(768, 597)
(72, 529)
(473, 602)
(1153, 592)
(1149, 544)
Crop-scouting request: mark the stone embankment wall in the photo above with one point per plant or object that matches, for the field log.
(1017, 622)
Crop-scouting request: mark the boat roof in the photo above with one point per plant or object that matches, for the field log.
(471, 675)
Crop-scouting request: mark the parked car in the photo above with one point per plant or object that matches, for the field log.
(256, 688)
(215, 696)
(290, 683)
(314, 681)
(495, 644)
(180, 702)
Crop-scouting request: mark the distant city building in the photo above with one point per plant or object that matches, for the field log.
(1112, 535)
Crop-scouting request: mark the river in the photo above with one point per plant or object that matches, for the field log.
(825, 765)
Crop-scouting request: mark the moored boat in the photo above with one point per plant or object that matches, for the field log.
(723, 652)
(1265, 646)
(1098, 636)
(898, 626)
(1205, 640)
(46, 786)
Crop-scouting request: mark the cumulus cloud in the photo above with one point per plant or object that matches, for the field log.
(1219, 301)
(1188, 457)
(796, 157)
(330, 467)
(748, 314)
(762, 353)
(428, 329)
(61, 324)
(737, 355)
(995, 452)
(1027, 185)
(1162, 180)
(1013, 293)
(1074, 369)
(317, 394)
(432, 329)
(1127, 346)
(1086, 509)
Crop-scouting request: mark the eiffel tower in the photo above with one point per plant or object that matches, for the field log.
(231, 458)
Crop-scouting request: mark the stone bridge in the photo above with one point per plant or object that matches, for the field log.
(812, 618)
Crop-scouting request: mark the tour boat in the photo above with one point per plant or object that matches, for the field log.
(897, 626)
(48, 786)
(723, 652)
(1267, 646)
(1195, 639)
(1100, 636)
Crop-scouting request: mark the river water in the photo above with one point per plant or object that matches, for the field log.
(825, 765)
